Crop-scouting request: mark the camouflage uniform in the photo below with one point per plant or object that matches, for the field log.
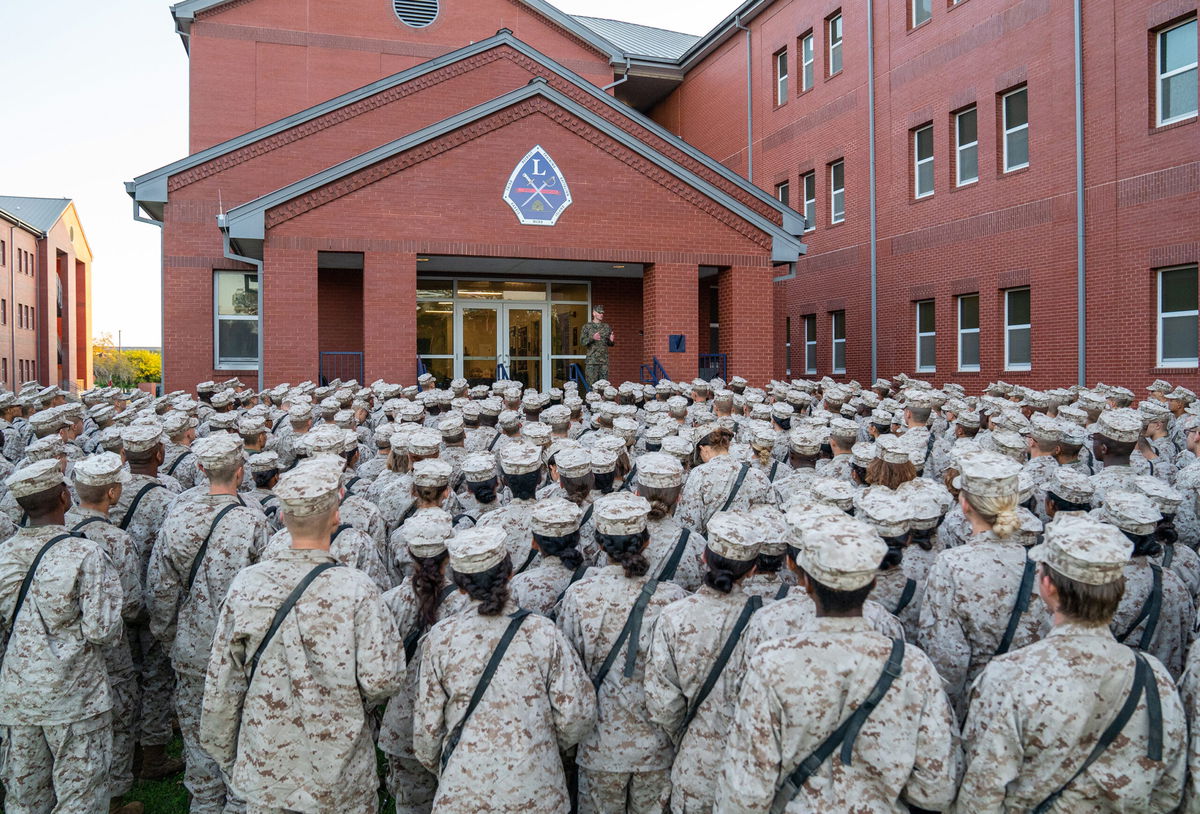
(664, 536)
(55, 701)
(708, 487)
(298, 738)
(538, 705)
(889, 590)
(1112, 479)
(349, 546)
(596, 364)
(183, 617)
(1177, 615)
(514, 519)
(836, 467)
(541, 587)
(1037, 712)
(799, 688)
(180, 463)
(625, 762)
(14, 442)
(768, 584)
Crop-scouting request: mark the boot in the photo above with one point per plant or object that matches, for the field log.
(156, 765)
(134, 807)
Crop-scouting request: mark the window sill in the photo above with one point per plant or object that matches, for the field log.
(912, 29)
(804, 92)
(238, 368)
(1015, 171)
(968, 369)
(833, 225)
(1162, 128)
(834, 75)
(919, 198)
(965, 185)
(776, 105)
(1179, 366)
(1019, 369)
(926, 370)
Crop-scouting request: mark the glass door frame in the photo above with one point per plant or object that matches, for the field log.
(503, 343)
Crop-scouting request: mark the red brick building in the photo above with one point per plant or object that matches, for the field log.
(45, 294)
(397, 182)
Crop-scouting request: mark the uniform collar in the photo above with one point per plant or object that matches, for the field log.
(842, 624)
(313, 555)
(1079, 629)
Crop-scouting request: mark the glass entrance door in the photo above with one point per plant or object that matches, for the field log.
(478, 342)
(524, 343)
(502, 337)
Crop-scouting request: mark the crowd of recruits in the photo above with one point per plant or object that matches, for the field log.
(807, 597)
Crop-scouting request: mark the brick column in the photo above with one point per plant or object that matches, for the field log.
(747, 313)
(389, 314)
(289, 283)
(670, 305)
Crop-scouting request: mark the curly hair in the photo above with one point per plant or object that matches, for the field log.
(483, 490)
(895, 552)
(577, 489)
(721, 572)
(489, 588)
(662, 501)
(626, 551)
(427, 586)
(565, 548)
(882, 473)
(1144, 545)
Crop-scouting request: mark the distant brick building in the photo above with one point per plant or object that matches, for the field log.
(399, 184)
(45, 294)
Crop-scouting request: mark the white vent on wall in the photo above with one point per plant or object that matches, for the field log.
(416, 13)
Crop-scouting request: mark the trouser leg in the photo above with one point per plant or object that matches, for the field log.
(411, 785)
(124, 714)
(26, 767)
(201, 776)
(156, 681)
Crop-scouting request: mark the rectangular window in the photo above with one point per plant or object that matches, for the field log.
(4, 368)
(3, 254)
(781, 76)
(923, 161)
(783, 193)
(1177, 317)
(787, 345)
(926, 337)
(3, 312)
(966, 147)
(1176, 68)
(1017, 329)
(810, 344)
(236, 318)
(806, 62)
(922, 10)
(1015, 109)
(833, 28)
(837, 320)
(837, 192)
(968, 332)
(809, 180)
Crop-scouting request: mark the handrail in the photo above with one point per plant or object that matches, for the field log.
(421, 369)
(715, 360)
(501, 372)
(576, 374)
(654, 373)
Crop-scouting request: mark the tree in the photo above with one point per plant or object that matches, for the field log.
(147, 365)
(124, 368)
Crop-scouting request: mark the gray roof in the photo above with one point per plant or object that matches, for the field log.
(41, 213)
(641, 40)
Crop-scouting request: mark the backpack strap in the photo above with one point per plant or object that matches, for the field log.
(336, 532)
(1024, 592)
(484, 680)
(628, 482)
(1168, 554)
(528, 560)
(454, 521)
(575, 577)
(783, 591)
(87, 521)
(175, 463)
(492, 444)
(1143, 682)
(844, 736)
(284, 610)
(906, 596)
(672, 564)
(1150, 612)
(710, 681)
(349, 487)
(26, 584)
(199, 558)
(137, 499)
(737, 485)
(774, 469)
(633, 624)
(587, 515)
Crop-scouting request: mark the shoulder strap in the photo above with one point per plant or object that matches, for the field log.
(1143, 681)
(1024, 592)
(587, 515)
(783, 591)
(285, 609)
(528, 559)
(737, 485)
(1151, 609)
(414, 636)
(484, 680)
(774, 469)
(710, 681)
(845, 735)
(199, 558)
(175, 463)
(672, 564)
(336, 532)
(137, 499)
(634, 620)
(906, 596)
(575, 577)
(628, 482)
(1168, 554)
(929, 446)
(27, 583)
(350, 484)
(492, 444)
(87, 521)
(455, 520)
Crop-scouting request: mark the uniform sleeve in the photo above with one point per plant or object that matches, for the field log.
(572, 698)
(1189, 689)
(1168, 791)
(992, 745)
(934, 780)
(429, 710)
(665, 700)
(380, 652)
(753, 760)
(100, 599)
(691, 505)
(125, 560)
(164, 591)
(941, 633)
(568, 622)
(225, 687)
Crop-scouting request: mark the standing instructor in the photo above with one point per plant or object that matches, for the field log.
(597, 337)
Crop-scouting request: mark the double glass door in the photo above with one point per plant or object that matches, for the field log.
(502, 338)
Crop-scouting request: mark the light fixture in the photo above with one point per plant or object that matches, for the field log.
(618, 267)
(422, 259)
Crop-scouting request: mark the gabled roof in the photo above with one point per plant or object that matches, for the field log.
(40, 213)
(149, 191)
(244, 226)
(641, 40)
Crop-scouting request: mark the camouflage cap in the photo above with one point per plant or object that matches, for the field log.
(573, 462)
(424, 441)
(218, 450)
(251, 425)
(1045, 429)
(555, 517)
(103, 469)
(556, 414)
(35, 478)
(884, 509)
(222, 399)
(805, 440)
(451, 426)
(1160, 386)
(1151, 410)
(659, 470)
(1070, 484)
(988, 474)
(843, 429)
(621, 513)
(426, 532)
(477, 549)
(45, 421)
(837, 492)
(301, 411)
(1083, 549)
(862, 453)
(509, 418)
(1181, 393)
(520, 458)
(479, 467)
(841, 552)
(263, 462)
(681, 446)
(176, 423)
(770, 529)
(1164, 496)
(310, 488)
(535, 432)
(141, 437)
(892, 450)
(1124, 425)
(432, 472)
(1010, 444)
(1131, 512)
(732, 535)
(603, 461)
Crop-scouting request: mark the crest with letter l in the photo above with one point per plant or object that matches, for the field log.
(537, 190)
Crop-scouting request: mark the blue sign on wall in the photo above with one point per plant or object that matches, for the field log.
(537, 190)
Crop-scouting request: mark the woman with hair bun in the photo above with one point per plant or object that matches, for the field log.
(481, 491)
(504, 753)
(625, 762)
(554, 526)
(975, 590)
(685, 651)
(674, 550)
(772, 579)
(720, 482)
(890, 514)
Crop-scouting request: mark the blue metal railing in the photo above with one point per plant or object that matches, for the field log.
(421, 369)
(343, 365)
(576, 374)
(501, 372)
(713, 365)
(654, 373)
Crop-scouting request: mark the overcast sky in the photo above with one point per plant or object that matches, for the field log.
(95, 93)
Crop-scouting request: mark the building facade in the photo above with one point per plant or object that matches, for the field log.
(45, 294)
(381, 187)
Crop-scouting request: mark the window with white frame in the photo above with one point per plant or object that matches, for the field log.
(783, 193)
(806, 62)
(810, 344)
(837, 192)
(966, 147)
(926, 337)
(235, 329)
(787, 345)
(1176, 68)
(1015, 110)
(781, 76)
(968, 332)
(1017, 329)
(833, 29)
(922, 10)
(809, 181)
(923, 161)
(1177, 317)
(837, 321)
